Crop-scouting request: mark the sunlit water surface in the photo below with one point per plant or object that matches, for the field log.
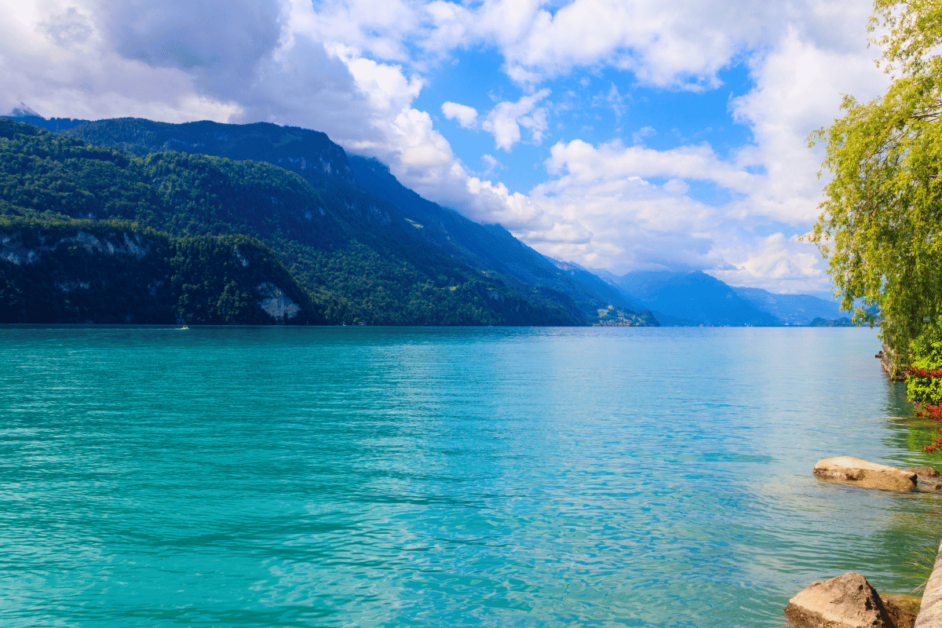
(441, 477)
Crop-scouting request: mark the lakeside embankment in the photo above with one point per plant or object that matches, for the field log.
(849, 600)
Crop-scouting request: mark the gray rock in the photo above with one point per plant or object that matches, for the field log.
(846, 601)
(857, 472)
(924, 472)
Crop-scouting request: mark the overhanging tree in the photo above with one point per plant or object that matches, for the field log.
(881, 222)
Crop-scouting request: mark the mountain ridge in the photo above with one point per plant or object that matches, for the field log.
(357, 252)
(363, 202)
(490, 249)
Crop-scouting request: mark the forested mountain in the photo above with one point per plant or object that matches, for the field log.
(362, 186)
(352, 250)
(619, 302)
(97, 271)
(367, 248)
(493, 250)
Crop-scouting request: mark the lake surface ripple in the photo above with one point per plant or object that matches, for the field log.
(441, 477)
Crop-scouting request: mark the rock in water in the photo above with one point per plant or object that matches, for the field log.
(926, 472)
(864, 474)
(846, 601)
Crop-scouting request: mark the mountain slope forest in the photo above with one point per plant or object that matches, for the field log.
(339, 225)
(488, 249)
(354, 253)
(366, 248)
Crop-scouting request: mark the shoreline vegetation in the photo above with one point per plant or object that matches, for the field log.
(879, 229)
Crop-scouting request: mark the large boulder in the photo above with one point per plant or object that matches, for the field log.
(846, 601)
(857, 472)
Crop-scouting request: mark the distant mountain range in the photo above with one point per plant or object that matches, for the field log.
(792, 309)
(695, 298)
(362, 246)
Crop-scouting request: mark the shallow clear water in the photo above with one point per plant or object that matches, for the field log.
(441, 477)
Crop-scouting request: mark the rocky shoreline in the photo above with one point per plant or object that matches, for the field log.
(849, 601)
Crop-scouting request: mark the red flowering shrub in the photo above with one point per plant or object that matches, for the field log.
(922, 388)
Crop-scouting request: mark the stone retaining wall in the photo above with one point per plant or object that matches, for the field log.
(891, 365)
(930, 614)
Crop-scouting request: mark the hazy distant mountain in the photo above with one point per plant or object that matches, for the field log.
(695, 298)
(793, 309)
(844, 321)
(616, 306)
(692, 298)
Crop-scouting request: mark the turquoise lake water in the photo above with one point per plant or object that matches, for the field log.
(442, 477)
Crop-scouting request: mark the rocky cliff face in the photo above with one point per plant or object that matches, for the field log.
(94, 272)
(13, 250)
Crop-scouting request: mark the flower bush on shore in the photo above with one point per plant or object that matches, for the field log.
(924, 383)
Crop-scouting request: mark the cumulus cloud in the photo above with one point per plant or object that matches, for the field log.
(583, 162)
(466, 116)
(187, 35)
(354, 69)
(505, 120)
(777, 262)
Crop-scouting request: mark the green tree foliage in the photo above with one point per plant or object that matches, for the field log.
(882, 215)
(926, 389)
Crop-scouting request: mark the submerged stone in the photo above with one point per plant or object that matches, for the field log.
(857, 472)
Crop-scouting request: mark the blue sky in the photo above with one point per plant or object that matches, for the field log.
(596, 106)
(617, 134)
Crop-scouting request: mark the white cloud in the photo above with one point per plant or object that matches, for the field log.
(466, 116)
(505, 120)
(354, 68)
(638, 136)
(614, 99)
(777, 263)
(490, 163)
(799, 86)
(676, 187)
